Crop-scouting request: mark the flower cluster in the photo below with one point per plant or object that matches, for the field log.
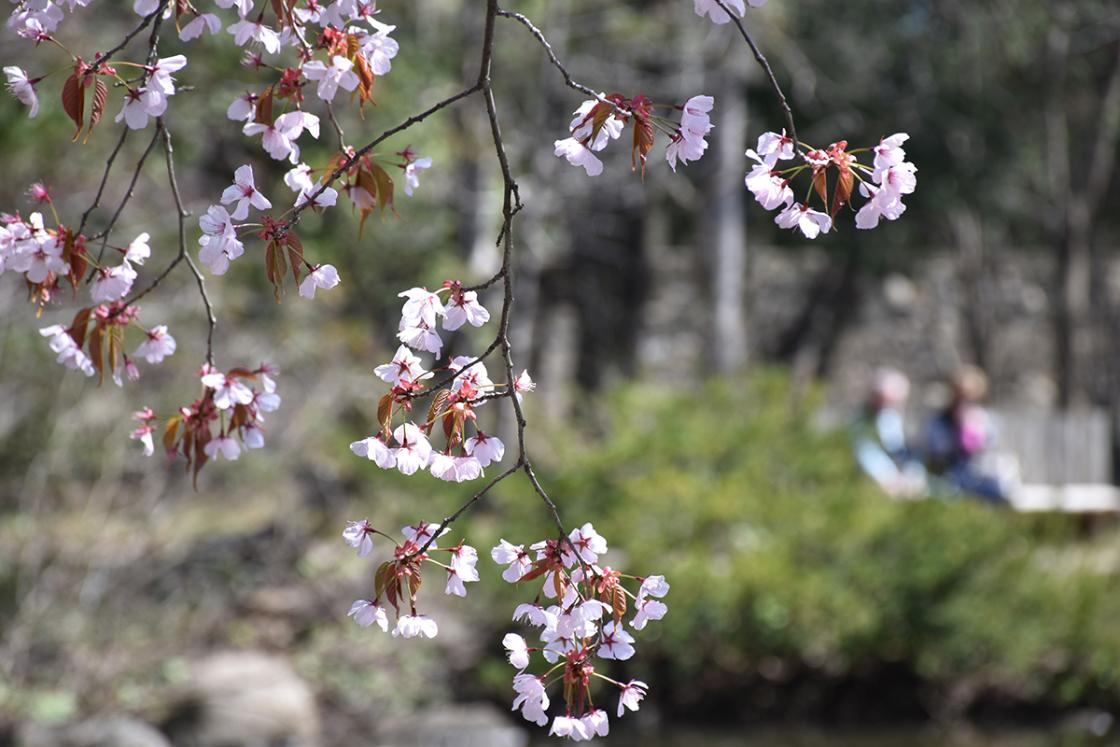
(408, 446)
(228, 416)
(582, 622)
(598, 121)
(883, 183)
(397, 581)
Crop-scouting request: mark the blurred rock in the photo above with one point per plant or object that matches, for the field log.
(106, 731)
(245, 699)
(474, 725)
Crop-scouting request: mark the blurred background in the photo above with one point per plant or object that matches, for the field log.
(706, 382)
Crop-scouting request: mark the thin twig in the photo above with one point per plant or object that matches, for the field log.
(765, 64)
(345, 165)
(104, 178)
(104, 234)
(568, 79)
(157, 13)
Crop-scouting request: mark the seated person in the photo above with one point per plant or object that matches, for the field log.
(958, 436)
(879, 438)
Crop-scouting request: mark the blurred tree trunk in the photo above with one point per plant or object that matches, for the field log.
(728, 237)
(1076, 205)
(972, 274)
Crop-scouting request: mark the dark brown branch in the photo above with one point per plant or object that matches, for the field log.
(104, 179)
(568, 79)
(104, 234)
(156, 14)
(182, 255)
(345, 165)
(765, 64)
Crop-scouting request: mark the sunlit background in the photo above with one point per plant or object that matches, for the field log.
(698, 372)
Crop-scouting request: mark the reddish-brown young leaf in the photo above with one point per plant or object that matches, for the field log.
(78, 327)
(384, 189)
(820, 183)
(115, 333)
(385, 414)
(538, 569)
(842, 192)
(73, 102)
(95, 354)
(643, 132)
(264, 107)
(97, 104)
(170, 431)
(414, 582)
(364, 91)
(618, 603)
(436, 408)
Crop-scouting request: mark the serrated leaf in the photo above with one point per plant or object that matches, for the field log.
(384, 188)
(95, 354)
(73, 102)
(436, 408)
(618, 604)
(97, 104)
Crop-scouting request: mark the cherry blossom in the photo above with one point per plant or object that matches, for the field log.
(244, 193)
(245, 31)
(616, 643)
(158, 345)
(405, 366)
(319, 199)
(374, 449)
(412, 174)
(516, 558)
(800, 216)
(717, 14)
(69, 354)
(517, 651)
(631, 696)
(160, 79)
(338, 74)
(366, 613)
(773, 147)
(207, 22)
(647, 609)
(768, 187)
(531, 698)
(463, 307)
(112, 283)
(298, 178)
(486, 449)
(223, 446)
(595, 723)
(423, 531)
(422, 305)
(414, 451)
(413, 626)
(138, 250)
(588, 543)
(23, 88)
(143, 431)
(228, 390)
(243, 108)
(379, 48)
(578, 154)
(359, 535)
(573, 728)
(322, 277)
(219, 243)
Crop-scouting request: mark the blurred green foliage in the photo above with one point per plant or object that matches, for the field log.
(786, 564)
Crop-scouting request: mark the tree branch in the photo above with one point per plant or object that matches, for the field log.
(765, 64)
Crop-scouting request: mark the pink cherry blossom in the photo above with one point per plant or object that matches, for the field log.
(573, 728)
(517, 651)
(138, 250)
(112, 283)
(414, 452)
(631, 696)
(414, 626)
(578, 154)
(486, 449)
(773, 147)
(228, 390)
(243, 108)
(515, 557)
(322, 277)
(223, 446)
(207, 22)
(615, 643)
(339, 74)
(22, 88)
(800, 216)
(595, 723)
(245, 31)
(374, 449)
(405, 366)
(366, 613)
(359, 535)
(69, 354)
(412, 174)
(244, 193)
(157, 346)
